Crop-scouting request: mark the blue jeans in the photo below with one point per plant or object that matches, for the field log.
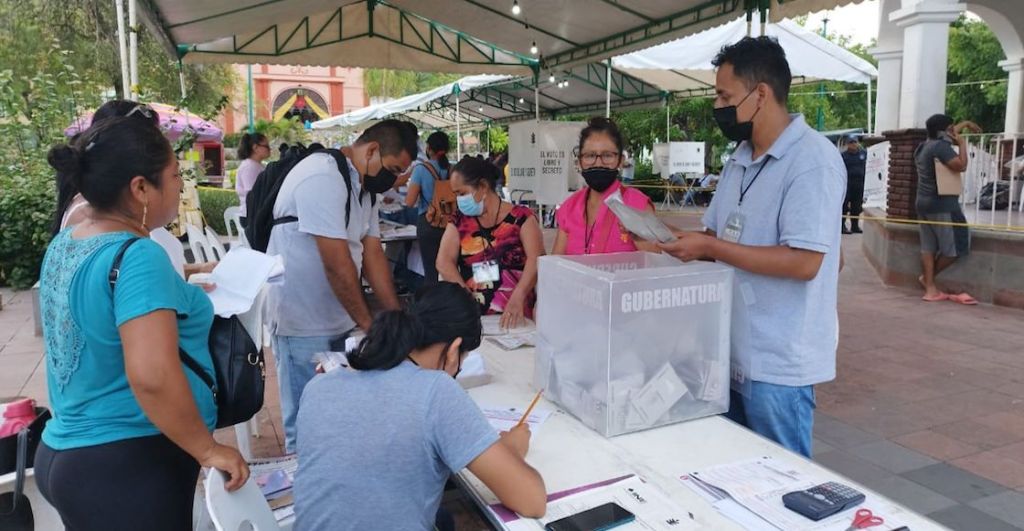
(293, 357)
(781, 413)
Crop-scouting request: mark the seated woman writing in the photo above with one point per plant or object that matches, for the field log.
(377, 444)
(585, 224)
(491, 246)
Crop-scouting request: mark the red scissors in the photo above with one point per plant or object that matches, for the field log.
(864, 519)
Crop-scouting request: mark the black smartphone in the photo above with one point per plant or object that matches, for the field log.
(599, 518)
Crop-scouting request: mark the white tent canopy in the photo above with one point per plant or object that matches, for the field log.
(685, 65)
(406, 105)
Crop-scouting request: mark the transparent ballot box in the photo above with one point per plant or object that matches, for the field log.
(631, 341)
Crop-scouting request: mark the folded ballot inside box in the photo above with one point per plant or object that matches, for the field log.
(631, 341)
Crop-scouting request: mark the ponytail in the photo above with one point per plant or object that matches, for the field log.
(441, 313)
(438, 143)
(247, 143)
(392, 336)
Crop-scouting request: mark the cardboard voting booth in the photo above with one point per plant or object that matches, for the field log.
(633, 341)
(541, 159)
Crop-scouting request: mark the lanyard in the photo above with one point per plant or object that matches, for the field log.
(487, 233)
(743, 190)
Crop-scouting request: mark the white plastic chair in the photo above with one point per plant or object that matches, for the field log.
(230, 510)
(201, 250)
(233, 222)
(215, 245)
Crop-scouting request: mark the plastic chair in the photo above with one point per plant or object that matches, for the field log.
(215, 245)
(201, 250)
(233, 222)
(230, 510)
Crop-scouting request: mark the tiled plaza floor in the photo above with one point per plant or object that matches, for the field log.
(927, 406)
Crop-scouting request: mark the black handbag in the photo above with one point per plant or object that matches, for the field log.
(15, 508)
(239, 368)
(9, 445)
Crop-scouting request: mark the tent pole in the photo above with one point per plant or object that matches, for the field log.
(248, 94)
(123, 47)
(536, 100)
(668, 119)
(181, 80)
(869, 107)
(608, 91)
(458, 129)
(133, 49)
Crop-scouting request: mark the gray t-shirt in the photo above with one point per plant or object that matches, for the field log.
(928, 199)
(785, 331)
(303, 304)
(376, 447)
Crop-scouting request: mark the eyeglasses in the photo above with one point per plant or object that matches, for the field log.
(607, 157)
(264, 145)
(142, 109)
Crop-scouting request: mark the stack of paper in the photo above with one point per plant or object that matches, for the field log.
(642, 223)
(750, 493)
(275, 478)
(239, 277)
(652, 508)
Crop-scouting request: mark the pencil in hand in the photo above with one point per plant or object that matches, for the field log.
(529, 409)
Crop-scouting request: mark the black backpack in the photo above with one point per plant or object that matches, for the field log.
(259, 202)
(239, 368)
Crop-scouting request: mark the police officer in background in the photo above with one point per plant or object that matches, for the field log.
(855, 159)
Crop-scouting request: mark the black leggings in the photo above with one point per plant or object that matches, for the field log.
(145, 483)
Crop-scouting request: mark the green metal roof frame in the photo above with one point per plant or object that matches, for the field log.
(628, 90)
(653, 29)
(438, 40)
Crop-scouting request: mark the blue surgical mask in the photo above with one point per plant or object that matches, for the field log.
(469, 206)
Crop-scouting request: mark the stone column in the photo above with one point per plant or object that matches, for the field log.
(1014, 95)
(925, 58)
(887, 100)
(889, 54)
(902, 191)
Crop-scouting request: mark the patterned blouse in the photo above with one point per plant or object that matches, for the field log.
(501, 243)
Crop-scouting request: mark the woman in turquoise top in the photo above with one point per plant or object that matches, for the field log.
(130, 427)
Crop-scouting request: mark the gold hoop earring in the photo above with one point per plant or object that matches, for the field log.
(145, 212)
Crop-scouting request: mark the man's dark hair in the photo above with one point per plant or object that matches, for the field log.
(394, 137)
(936, 124)
(758, 60)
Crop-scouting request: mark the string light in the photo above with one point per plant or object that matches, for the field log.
(533, 48)
(515, 8)
(522, 100)
(551, 78)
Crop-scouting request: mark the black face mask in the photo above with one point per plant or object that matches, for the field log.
(730, 125)
(599, 179)
(380, 183)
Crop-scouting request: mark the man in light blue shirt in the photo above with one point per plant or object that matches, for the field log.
(776, 218)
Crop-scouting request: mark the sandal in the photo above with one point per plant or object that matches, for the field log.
(936, 298)
(964, 299)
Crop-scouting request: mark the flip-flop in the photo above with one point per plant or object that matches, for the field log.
(964, 299)
(937, 298)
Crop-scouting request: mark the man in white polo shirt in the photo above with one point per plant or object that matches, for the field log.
(327, 229)
(776, 217)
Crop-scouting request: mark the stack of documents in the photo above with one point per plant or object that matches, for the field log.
(275, 478)
(750, 493)
(239, 277)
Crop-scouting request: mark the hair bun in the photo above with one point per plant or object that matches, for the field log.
(65, 159)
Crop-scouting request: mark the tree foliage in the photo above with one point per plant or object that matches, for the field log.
(974, 53)
(385, 83)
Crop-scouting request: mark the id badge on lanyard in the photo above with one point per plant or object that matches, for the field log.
(734, 227)
(486, 272)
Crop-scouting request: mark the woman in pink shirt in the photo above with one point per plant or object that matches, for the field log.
(253, 150)
(585, 225)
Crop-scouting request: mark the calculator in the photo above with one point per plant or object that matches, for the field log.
(823, 500)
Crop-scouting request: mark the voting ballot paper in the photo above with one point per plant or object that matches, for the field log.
(644, 224)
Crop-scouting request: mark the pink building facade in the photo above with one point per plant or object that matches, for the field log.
(309, 92)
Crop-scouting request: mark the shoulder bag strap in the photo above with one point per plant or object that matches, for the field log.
(188, 361)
